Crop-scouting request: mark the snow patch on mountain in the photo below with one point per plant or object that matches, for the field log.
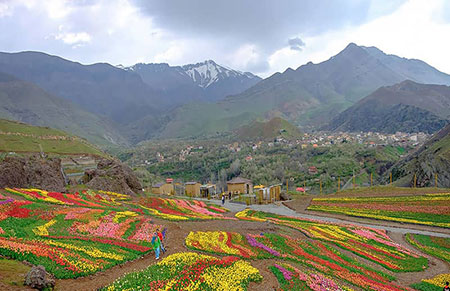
(206, 73)
(202, 74)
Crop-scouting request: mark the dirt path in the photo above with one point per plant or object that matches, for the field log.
(435, 266)
(177, 231)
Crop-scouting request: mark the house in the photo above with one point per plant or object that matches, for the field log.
(164, 188)
(208, 190)
(240, 185)
(312, 170)
(192, 189)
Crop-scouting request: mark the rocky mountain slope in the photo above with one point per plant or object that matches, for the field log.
(430, 159)
(407, 107)
(205, 81)
(310, 95)
(23, 101)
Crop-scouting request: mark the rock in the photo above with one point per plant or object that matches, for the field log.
(112, 176)
(32, 172)
(285, 196)
(37, 278)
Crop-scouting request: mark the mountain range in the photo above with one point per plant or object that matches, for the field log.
(26, 102)
(406, 107)
(311, 95)
(132, 103)
(205, 81)
(123, 105)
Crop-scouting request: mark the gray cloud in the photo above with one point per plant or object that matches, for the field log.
(185, 30)
(296, 43)
(264, 23)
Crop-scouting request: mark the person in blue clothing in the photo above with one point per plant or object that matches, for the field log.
(156, 244)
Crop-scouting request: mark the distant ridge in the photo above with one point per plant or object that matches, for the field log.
(204, 81)
(311, 95)
(26, 102)
(406, 106)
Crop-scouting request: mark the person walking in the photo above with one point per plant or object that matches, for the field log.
(161, 238)
(156, 244)
(223, 199)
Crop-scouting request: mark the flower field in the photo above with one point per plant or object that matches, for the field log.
(369, 243)
(180, 209)
(190, 271)
(87, 198)
(431, 209)
(317, 255)
(69, 240)
(291, 278)
(432, 245)
(434, 284)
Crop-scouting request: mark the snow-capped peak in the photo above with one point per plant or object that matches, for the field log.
(208, 72)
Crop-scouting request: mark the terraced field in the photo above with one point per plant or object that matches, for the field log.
(429, 209)
(79, 235)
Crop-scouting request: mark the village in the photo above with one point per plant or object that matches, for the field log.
(308, 140)
(238, 189)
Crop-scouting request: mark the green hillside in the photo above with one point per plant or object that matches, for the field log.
(276, 127)
(25, 102)
(20, 137)
(311, 95)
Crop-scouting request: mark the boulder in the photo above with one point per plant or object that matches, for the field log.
(32, 172)
(38, 278)
(113, 176)
(285, 196)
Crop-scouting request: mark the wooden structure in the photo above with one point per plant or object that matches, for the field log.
(268, 194)
(240, 185)
(208, 190)
(192, 189)
(164, 188)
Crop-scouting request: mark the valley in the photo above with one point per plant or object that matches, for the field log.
(197, 176)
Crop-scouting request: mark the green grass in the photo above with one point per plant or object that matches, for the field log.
(20, 137)
(435, 246)
(12, 272)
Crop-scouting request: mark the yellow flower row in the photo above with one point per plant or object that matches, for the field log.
(43, 229)
(42, 192)
(218, 278)
(231, 277)
(211, 240)
(122, 214)
(245, 214)
(377, 216)
(118, 195)
(91, 251)
(439, 280)
(164, 215)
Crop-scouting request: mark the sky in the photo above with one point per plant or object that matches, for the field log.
(259, 36)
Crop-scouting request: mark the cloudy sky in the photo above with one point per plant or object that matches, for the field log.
(260, 36)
